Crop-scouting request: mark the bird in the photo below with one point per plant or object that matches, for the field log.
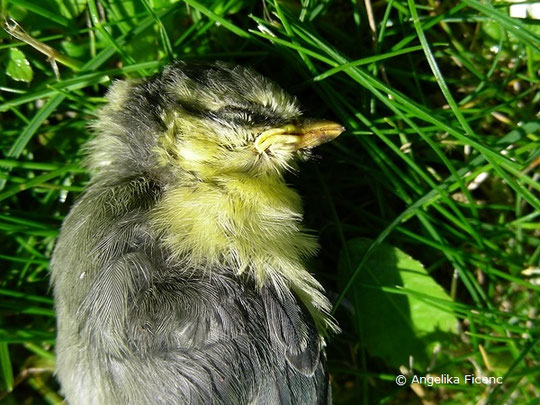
(180, 275)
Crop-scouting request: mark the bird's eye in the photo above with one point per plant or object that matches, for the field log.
(241, 115)
(234, 114)
(245, 115)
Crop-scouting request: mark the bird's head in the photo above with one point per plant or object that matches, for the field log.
(205, 121)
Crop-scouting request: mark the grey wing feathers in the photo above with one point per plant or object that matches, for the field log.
(133, 329)
(304, 380)
(294, 329)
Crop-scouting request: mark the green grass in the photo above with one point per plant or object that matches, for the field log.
(437, 174)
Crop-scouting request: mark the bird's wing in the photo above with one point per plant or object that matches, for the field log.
(292, 326)
(135, 328)
(304, 378)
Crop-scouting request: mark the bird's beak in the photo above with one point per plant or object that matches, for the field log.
(307, 135)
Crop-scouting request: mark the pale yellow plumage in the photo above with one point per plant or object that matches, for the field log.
(247, 219)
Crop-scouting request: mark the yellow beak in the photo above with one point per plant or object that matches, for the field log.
(307, 135)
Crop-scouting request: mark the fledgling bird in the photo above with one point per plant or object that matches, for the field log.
(179, 274)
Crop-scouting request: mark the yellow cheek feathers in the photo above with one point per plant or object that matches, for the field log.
(246, 220)
(247, 224)
(303, 136)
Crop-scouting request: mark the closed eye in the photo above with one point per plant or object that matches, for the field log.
(242, 115)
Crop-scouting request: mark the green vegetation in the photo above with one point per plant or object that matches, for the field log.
(427, 207)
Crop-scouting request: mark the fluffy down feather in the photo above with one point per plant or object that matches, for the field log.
(177, 274)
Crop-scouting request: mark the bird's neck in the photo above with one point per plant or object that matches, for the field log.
(243, 223)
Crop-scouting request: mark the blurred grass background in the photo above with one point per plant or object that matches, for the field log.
(426, 208)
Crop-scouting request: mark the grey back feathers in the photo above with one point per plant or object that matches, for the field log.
(136, 326)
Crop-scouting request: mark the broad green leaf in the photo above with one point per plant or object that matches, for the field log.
(400, 310)
(18, 67)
